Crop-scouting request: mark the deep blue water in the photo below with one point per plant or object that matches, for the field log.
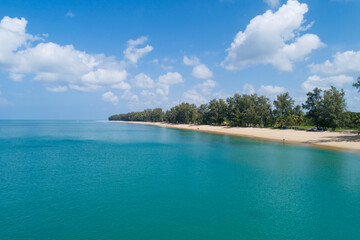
(99, 180)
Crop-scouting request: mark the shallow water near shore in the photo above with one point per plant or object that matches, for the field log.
(99, 180)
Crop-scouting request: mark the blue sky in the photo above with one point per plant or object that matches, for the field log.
(90, 59)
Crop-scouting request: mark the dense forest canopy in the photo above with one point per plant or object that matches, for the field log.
(323, 109)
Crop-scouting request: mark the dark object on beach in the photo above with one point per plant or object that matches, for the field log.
(320, 129)
(284, 128)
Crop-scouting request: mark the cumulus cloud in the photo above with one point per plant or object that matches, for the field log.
(114, 78)
(132, 53)
(273, 38)
(200, 93)
(12, 37)
(147, 93)
(192, 61)
(142, 80)
(170, 78)
(316, 81)
(161, 89)
(153, 93)
(149, 99)
(342, 63)
(129, 96)
(200, 70)
(56, 65)
(207, 86)
(166, 67)
(193, 96)
(166, 80)
(110, 97)
(248, 89)
(271, 91)
(57, 89)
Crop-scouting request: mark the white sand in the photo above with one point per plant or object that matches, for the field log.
(334, 140)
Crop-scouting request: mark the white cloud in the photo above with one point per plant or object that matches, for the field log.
(147, 93)
(57, 89)
(325, 83)
(12, 37)
(207, 86)
(248, 89)
(269, 90)
(342, 63)
(272, 3)
(143, 81)
(171, 60)
(192, 61)
(273, 38)
(54, 64)
(16, 77)
(148, 99)
(201, 93)
(166, 67)
(121, 85)
(170, 78)
(70, 14)
(133, 54)
(85, 88)
(193, 96)
(114, 78)
(164, 82)
(129, 96)
(159, 96)
(202, 71)
(110, 97)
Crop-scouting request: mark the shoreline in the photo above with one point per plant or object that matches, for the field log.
(326, 140)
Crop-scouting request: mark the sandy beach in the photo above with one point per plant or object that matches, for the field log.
(331, 140)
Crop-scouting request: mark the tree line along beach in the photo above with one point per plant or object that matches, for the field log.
(325, 123)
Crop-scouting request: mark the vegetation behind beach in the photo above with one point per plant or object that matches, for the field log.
(321, 110)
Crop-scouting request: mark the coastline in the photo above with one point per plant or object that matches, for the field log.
(329, 140)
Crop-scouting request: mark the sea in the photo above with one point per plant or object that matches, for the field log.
(105, 180)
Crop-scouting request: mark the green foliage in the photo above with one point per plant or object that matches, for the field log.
(352, 120)
(204, 114)
(324, 109)
(357, 84)
(217, 111)
(147, 115)
(248, 110)
(182, 113)
(312, 104)
(332, 108)
(284, 110)
(157, 115)
(297, 116)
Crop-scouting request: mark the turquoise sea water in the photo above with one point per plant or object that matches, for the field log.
(98, 180)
